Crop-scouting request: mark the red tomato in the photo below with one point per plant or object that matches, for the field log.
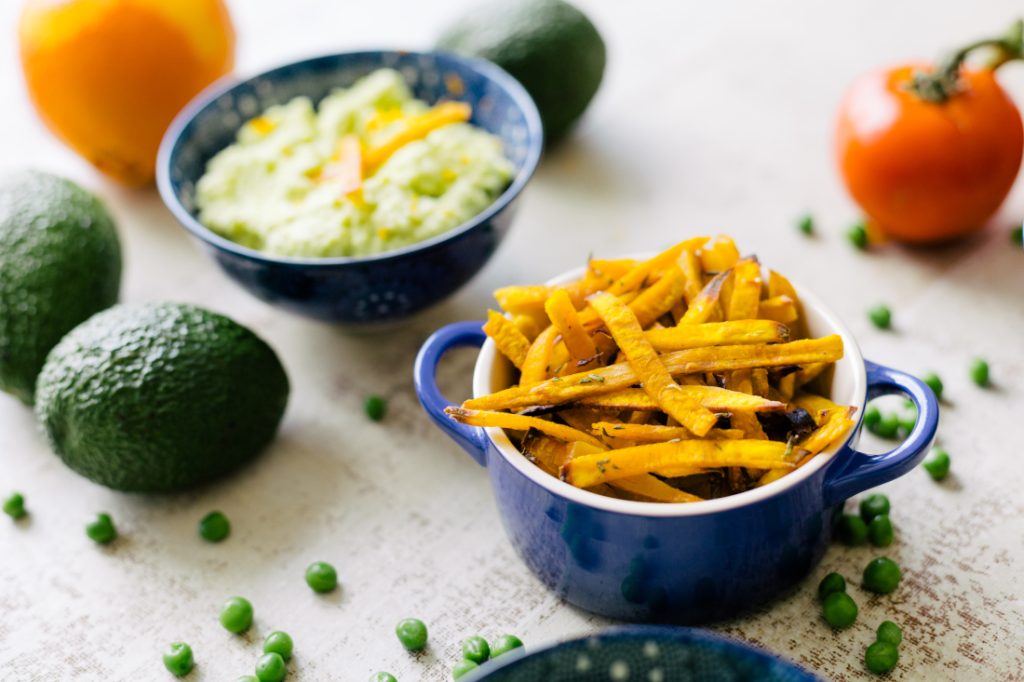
(926, 171)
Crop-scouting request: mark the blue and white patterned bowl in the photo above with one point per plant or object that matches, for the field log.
(643, 654)
(374, 290)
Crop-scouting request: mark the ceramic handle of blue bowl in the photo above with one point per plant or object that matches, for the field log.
(864, 471)
(471, 438)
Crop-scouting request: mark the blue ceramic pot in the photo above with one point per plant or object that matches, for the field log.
(685, 563)
(375, 290)
(648, 653)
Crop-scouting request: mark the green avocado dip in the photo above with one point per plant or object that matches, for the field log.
(370, 170)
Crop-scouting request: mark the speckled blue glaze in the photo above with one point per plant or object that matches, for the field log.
(644, 654)
(355, 291)
(693, 567)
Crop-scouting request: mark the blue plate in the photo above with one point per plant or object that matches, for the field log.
(378, 289)
(643, 654)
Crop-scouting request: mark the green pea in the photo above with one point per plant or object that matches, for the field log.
(852, 530)
(909, 421)
(376, 407)
(178, 659)
(872, 415)
(934, 382)
(476, 649)
(101, 530)
(881, 316)
(881, 575)
(14, 506)
(880, 531)
(1017, 235)
(382, 677)
(979, 372)
(412, 633)
(280, 643)
(505, 644)
(858, 236)
(271, 668)
(873, 505)
(833, 582)
(214, 527)
(937, 464)
(881, 657)
(888, 427)
(463, 667)
(236, 615)
(806, 224)
(839, 610)
(321, 577)
(889, 632)
(248, 678)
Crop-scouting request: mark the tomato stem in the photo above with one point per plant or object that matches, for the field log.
(943, 82)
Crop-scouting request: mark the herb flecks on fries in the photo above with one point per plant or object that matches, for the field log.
(684, 377)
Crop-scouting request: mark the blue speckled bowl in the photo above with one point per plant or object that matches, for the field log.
(643, 654)
(379, 289)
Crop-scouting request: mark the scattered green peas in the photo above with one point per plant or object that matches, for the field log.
(14, 506)
(476, 649)
(873, 505)
(979, 372)
(880, 531)
(178, 659)
(852, 530)
(280, 643)
(872, 415)
(881, 657)
(236, 615)
(376, 407)
(833, 582)
(462, 667)
(888, 427)
(270, 668)
(882, 575)
(937, 464)
(248, 678)
(383, 677)
(889, 632)
(806, 224)
(321, 577)
(934, 382)
(214, 527)
(412, 633)
(101, 530)
(505, 644)
(881, 316)
(839, 610)
(1017, 235)
(858, 236)
(908, 421)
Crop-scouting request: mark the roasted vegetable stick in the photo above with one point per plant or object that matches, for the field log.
(659, 298)
(712, 397)
(617, 464)
(527, 325)
(716, 334)
(578, 386)
(635, 278)
(818, 407)
(653, 489)
(506, 335)
(705, 306)
(778, 285)
(538, 358)
(563, 316)
(746, 290)
(809, 373)
(835, 427)
(656, 433)
(781, 308)
(548, 453)
(719, 255)
(520, 422)
(689, 263)
(656, 380)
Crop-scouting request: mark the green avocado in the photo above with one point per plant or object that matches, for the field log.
(549, 46)
(159, 397)
(60, 262)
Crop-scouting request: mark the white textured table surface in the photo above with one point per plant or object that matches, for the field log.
(713, 117)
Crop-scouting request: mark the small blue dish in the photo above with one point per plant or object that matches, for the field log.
(645, 654)
(375, 290)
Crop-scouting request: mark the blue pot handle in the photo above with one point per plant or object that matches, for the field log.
(863, 471)
(472, 439)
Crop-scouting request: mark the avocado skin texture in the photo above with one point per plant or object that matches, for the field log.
(549, 46)
(60, 262)
(159, 397)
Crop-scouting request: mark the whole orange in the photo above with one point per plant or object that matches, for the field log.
(108, 76)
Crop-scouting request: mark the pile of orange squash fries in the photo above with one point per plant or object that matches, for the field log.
(680, 378)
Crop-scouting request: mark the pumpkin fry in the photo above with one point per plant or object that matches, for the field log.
(563, 316)
(612, 465)
(781, 308)
(712, 397)
(716, 334)
(689, 263)
(746, 290)
(656, 379)
(705, 306)
(658, 299)
(507, 337)
(519, 422)
(656, 433)
(535, 366)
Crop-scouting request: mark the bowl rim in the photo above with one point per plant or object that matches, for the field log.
(488, 356)
(226, 84)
